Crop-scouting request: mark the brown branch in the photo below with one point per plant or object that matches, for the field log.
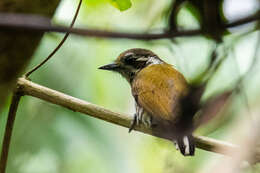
(59, 45)
(18, 22)
(12, 25)
(243, 21)
(58, 98)
(8, 130)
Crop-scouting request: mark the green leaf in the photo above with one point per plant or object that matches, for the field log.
(122, 5)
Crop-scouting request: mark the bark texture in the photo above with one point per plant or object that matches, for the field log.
(17, 48)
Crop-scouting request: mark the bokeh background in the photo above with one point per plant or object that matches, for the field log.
(51, 139)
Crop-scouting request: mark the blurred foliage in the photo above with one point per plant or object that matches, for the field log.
(51, 139)
(122, 5)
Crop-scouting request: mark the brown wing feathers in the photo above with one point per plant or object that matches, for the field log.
(158, 89)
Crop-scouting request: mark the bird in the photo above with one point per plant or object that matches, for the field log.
(158, 90)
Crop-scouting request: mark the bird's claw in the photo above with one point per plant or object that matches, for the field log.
(133, 123)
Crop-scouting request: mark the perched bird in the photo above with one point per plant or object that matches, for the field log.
(158, 90)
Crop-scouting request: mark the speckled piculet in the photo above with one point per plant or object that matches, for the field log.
(157, 88)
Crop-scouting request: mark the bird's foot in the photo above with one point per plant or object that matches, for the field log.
(146, 120)
(143, 119)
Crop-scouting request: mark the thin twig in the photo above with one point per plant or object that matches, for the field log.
(75, 104)
(175, 7)
(59, 45)
(12, 22)
(243, 21)
(8, 130)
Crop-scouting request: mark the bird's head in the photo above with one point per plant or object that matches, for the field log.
(130, 62)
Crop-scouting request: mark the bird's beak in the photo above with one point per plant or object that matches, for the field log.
(111, 67)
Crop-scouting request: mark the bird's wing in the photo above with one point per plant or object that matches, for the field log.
(158, 88)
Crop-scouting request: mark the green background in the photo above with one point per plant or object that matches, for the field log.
(51, 139)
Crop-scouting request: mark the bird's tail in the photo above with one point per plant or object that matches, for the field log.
(186, 145)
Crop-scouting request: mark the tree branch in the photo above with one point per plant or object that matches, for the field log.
(33, 23)
(32, 89)
(18, 22)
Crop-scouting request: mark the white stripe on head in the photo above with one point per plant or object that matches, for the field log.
(128, 54)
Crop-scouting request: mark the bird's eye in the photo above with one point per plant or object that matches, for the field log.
(129, 59)
(136, 62)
